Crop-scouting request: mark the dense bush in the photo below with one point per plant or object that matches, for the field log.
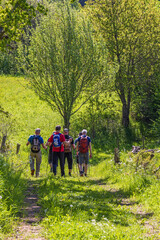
(8, 64)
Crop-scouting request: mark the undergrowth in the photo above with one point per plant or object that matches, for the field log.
(11, 195)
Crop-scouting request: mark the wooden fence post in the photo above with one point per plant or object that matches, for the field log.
(116, 156)
(18, 148)
(3, 143)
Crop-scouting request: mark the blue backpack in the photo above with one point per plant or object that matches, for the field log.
(56, 140)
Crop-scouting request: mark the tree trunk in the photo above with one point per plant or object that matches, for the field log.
(126, 108)
(66, 119)
(125, 116)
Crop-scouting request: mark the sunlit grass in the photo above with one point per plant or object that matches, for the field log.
(113, 202)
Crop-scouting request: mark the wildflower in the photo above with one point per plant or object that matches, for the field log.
(0, 197)
(71, 205)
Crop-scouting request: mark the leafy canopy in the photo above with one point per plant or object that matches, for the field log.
(65, 61)
(14, 16)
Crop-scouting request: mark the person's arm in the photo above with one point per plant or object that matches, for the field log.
(90, 149)
(73, 145)
(27, 143)
(45, 147)
(77, 147)
(49, 144)
(72, 142)
(50, 141)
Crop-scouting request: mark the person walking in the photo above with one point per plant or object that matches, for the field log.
(50, 155)
(57, 140)
(68, 145)
(36, 141)
(83, 148)
(77, 153)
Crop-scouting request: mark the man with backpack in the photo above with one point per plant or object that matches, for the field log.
(83, 148)
(57, 140)
(68, 145)
(35, 141)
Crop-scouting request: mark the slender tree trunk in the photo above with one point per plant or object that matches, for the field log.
(125, 115)
(66, 120)
(125, 109)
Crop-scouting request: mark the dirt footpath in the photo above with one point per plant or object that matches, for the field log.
(29, 226)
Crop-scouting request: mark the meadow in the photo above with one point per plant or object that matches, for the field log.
(113, 202)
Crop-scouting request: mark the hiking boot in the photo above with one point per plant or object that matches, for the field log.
(70, 174)
(81, 174)
(32, 172)
(85, 174)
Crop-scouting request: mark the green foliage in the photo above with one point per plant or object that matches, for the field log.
(130, 30)
(102, 118)
(11, 195)
(14, 16)
(8, 62)
(113, 202)
(60, 62)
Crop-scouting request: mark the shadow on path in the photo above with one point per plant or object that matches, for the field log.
(30, 216)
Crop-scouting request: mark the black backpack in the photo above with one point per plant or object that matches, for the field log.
(35, 145)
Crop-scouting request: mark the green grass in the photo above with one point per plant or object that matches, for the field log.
(12, 188)
(113, 202)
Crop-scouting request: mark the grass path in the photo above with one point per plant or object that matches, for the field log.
(91, 203)
(29, 227)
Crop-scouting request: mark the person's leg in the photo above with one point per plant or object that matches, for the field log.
(61, 157)
(70, 162)
(65, 156)
(81, 160)
(86, 161)
(55, 162)
(77, 157)
(31, 160)
(50, 160)
(38, 162)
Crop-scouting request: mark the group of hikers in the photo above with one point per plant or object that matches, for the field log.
(60, 147)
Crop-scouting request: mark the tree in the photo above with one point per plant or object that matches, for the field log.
(66, 66)
(131, 32)
(14, 16)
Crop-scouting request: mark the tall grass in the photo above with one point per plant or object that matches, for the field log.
(12, 188)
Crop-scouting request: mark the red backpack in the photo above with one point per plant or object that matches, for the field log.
(83, 144)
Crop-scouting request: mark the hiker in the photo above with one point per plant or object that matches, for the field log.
(68, 145)
(77, 154)
(57, 140)
(35, 141)
(83, 145)
(50, 155)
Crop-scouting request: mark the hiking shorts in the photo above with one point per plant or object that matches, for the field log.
(68, 155)
(83, 158)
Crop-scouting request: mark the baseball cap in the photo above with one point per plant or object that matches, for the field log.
(66, 130)
(37, 130)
